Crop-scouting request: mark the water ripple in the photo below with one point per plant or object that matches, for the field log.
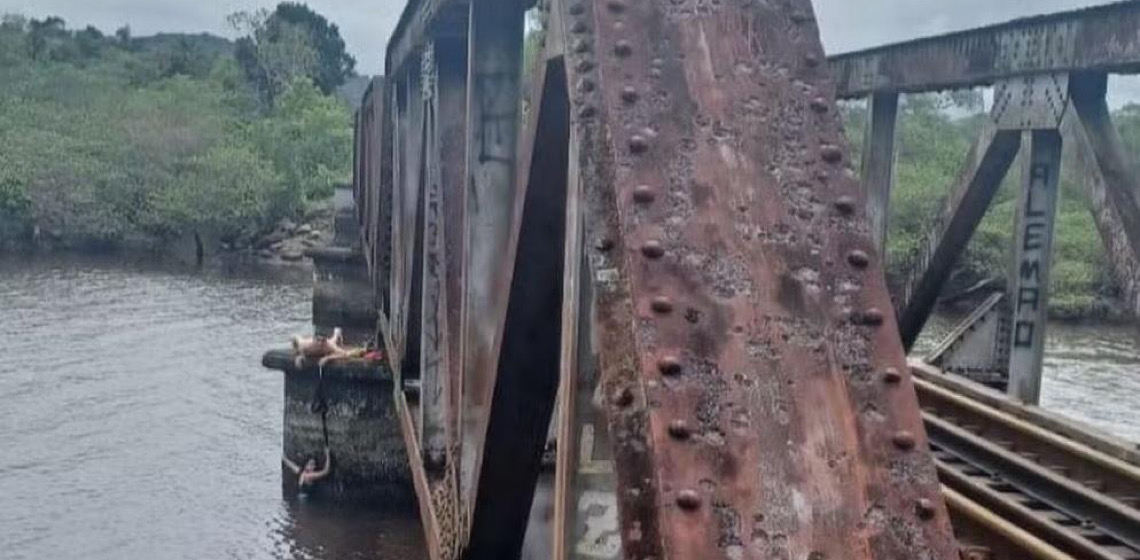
(138, 422)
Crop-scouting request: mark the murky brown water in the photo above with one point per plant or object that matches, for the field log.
(1092, 372)
(136, 421)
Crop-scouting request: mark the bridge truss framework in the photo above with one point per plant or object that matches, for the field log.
(651, 238)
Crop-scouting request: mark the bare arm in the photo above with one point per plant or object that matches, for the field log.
(325, 470)
(292, 466)
(336, 355)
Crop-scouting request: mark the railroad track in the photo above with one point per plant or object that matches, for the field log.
(1057, 497)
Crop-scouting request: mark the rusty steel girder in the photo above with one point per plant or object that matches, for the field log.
(1099, 38)
(731, 382)
(756, 392)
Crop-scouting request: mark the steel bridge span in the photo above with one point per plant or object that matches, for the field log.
(648, 241)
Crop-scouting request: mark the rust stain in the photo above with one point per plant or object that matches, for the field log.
(741, 301)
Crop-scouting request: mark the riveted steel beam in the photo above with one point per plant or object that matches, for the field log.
(421, 22)
(749, 370)
(1101, 39)
(978, 346)
(358, 186)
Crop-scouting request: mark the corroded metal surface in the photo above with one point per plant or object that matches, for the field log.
(1102, 38)
(732, 383)
(419, 23)
(978, 346)
(744, 325)
(1033, 262)
(494, 82)
(527, 350)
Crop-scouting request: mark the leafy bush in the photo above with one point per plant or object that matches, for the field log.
(308, 137)
(106, 138)
(228, 191)
(932, 147)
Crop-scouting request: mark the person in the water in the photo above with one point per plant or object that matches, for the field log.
(309, 476)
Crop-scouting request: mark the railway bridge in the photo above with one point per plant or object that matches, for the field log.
(630, 285)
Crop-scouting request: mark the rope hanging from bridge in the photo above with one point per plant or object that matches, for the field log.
(320, 404)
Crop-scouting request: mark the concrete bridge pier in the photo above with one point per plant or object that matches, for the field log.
(369, 462)
(342, 290)
(351, 400)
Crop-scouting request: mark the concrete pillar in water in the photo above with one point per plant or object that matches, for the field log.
(369, 461)
(1029, 275)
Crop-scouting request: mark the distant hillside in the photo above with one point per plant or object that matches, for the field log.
(205, 43)
(113, 140)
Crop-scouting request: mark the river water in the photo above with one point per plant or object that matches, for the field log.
(137, 423)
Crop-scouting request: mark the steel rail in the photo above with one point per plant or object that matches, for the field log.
(1009, 503)
(999, 529)
(1057, 509)
(1094, 469)
(1051, 422)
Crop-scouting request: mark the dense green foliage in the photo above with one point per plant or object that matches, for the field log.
(287, 43)
(105, 139)
(935, 134)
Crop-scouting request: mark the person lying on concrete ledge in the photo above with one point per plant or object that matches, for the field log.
(324, 349)
(309, 476)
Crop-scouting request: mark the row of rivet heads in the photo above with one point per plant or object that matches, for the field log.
(581, 55)
(638, 144)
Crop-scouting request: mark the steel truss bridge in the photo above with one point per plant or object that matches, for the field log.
(648, 241)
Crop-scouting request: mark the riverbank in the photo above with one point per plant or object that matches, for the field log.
(1092, 309)
(284, 243)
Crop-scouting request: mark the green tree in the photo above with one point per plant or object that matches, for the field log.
(90, 42)
(273, 54)
(289, 43)
(153, 137)
(308, 137)
(334, 64)
(226, 191)
(935, 132)
(123, 35)
(46, 38)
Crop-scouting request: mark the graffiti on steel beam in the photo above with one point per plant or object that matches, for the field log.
(601, 537)
(1037, 210)
(498, 116)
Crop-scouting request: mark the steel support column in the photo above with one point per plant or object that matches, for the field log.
(445, 85)
(1029, 275)
(526, 379)
(1111, 182)
(495, 45)
(378, 170)
(879, 163)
